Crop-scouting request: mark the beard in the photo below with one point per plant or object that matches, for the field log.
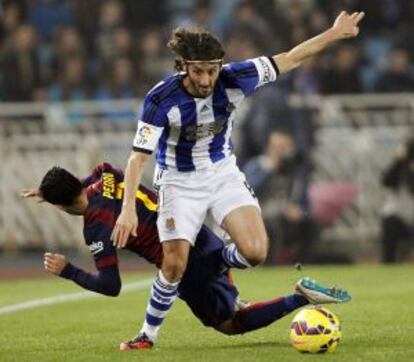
(200, 91)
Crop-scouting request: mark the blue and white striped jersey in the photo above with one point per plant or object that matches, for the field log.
(192, 133)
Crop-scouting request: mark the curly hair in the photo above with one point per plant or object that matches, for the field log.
(194, 44)
(60, 187)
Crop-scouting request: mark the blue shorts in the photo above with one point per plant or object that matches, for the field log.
(209, 293)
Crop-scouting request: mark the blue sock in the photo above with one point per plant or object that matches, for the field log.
(262, 314)
(163, 295)
(233, 259)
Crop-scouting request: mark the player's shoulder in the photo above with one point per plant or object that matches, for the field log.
(104, 168)
(234, 68)
(97, 172)
(103, 181)
(164, 90)
(230, 72)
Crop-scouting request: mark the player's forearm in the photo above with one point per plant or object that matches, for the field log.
(345, 26)
(306, 50)
(133, 176)
(106, 282)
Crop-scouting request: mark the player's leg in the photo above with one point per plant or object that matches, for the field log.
(258, 315)
(175, 259)
(164, 287)
(213, 298)
(215, 302)
(179, 220)
(236, 209)
(163, 293)
(261, 314)
(246, 229)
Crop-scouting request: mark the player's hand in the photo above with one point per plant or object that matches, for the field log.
(126, 225)
(346, 25)
(27, 193)
(54, 263)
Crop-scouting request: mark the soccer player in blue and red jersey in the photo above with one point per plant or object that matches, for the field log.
(188, 119)
(205, 288)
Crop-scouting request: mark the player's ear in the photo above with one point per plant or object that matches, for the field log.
(187, 67)
(179, 64)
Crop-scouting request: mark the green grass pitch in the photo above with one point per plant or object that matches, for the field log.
(378, 324)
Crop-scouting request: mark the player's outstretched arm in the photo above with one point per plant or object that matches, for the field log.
(107, 281)
(345, 26)
(127, 221)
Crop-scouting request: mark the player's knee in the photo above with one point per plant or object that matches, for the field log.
(226, 328)
(257, 254)
(116, 291)
(112, 290)
(173, 270)
(256, 259)
(227, 332)
(175, 259)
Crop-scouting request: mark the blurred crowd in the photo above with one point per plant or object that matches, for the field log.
(100, 49)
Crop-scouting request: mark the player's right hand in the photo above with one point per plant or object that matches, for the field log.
(347, 25)
(54, 263)
(125, 226)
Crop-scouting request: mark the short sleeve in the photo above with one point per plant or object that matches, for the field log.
(150, 126)
(252, 73)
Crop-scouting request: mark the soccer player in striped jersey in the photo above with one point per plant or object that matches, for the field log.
(208, 292)
(188, 118)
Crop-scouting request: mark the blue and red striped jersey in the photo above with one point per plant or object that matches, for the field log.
(105, 189)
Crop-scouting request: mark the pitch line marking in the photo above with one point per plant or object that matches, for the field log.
(68, 297)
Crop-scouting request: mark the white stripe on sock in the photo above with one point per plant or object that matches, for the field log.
(156, 312)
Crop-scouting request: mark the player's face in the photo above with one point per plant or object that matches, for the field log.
(202, 78)
(79, 205)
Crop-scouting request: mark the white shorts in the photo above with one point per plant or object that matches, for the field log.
(184, 198)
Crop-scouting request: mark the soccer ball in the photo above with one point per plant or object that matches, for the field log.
(315, 330)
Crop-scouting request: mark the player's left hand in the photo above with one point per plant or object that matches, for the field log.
(346, 25)
(54, 263)
(27, 193)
